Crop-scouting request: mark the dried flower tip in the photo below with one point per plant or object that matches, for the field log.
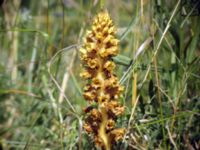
(103, 98)
(95, 114)
(109, 65)
(90, 96)
(87, 127)
(88, 109)
(110, 124)
(98, 141)
(92, 63)
(117, 134)
(115, 108)
(85, 74)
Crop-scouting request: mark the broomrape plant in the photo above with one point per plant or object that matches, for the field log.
(102, 90)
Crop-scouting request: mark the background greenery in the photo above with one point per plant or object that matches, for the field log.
(158, 65)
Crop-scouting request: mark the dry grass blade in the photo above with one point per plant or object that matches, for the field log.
(54, 80)
(141, 49)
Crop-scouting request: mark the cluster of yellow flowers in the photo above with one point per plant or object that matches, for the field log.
(103, 89)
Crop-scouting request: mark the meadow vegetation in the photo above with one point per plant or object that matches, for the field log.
(41, 91)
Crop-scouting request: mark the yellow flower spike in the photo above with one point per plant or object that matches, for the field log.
(100, 45)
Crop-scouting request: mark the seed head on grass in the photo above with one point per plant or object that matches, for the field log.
(103, 88)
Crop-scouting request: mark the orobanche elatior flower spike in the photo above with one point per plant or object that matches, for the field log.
(102, 90)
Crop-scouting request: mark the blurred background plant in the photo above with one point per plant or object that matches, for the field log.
(41, 93)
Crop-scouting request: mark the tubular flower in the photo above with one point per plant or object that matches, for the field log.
(103, 88)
